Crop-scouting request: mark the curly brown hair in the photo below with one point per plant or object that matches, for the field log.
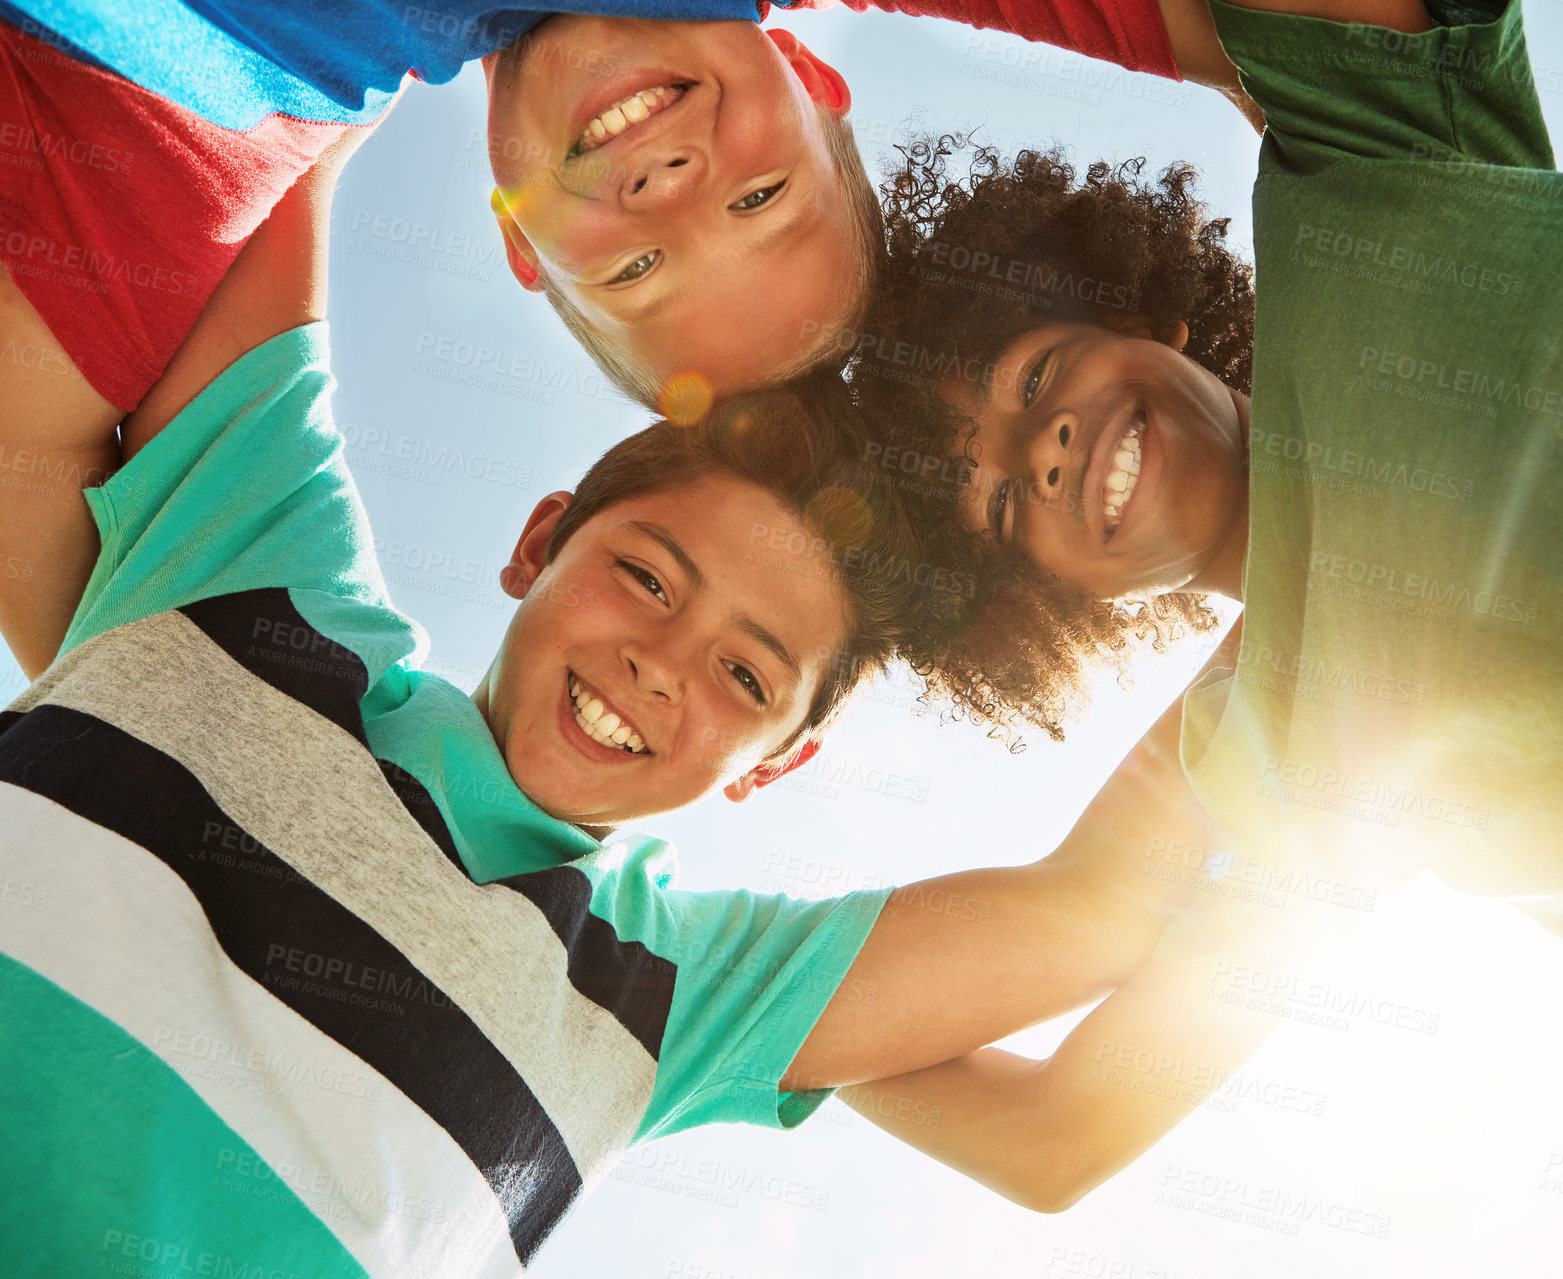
(977, 258)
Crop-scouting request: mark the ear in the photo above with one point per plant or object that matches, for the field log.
(764, 774)
(530, 557)
(821, 81)
(1137, 324)
(518, 249)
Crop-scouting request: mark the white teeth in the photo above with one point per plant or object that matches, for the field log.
(1125, 474)
(601, 724)
(632, 110)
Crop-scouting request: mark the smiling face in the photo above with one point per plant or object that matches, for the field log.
(1116, 463)
(671, 614)
(662, 176)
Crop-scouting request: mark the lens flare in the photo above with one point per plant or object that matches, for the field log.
(685, 398)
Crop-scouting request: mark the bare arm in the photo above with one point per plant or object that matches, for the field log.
(1192, 33)
(1043, 1134)
(1200, 57)
(57, 437)
(277, 283)
(963, 960)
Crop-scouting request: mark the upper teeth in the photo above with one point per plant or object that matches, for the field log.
(619, 117)
(1124, 475)
(601, 724)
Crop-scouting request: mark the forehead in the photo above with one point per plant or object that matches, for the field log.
(755, 557)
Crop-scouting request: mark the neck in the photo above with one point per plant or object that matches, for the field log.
(480, 699)
(1224, 574)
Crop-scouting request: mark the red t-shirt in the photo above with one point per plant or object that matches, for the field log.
(120, 211)
(1128, 32)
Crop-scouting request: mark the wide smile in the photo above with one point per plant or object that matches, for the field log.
(635, 108)
(1123, 476)
(600, 723)
(622, 116)
(1114, 485)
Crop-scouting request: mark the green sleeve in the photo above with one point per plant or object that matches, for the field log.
(1336, 91)
(755, 973)
(245, 489)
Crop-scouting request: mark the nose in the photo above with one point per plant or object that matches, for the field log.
(673, 175)
(655, 670)
(1049, 457)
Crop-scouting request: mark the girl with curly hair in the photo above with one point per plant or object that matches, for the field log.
(989, 274)
(1386, 507)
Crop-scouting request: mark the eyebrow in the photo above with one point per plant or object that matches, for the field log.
(749, 626)
(671, 545)
(745, 623)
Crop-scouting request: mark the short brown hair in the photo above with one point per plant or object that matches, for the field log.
(868, 236)
(799, 445)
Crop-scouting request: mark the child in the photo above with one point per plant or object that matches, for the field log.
(1386, 508)
(142, 143)
(334, 976)
(300, 77)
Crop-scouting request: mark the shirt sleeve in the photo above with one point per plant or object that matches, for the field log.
(755, 972)
(751, 975)
(246, 489)
(1128, 32)
(121, 210)
(1336, 91)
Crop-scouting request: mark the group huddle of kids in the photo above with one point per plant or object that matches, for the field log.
(272, 846)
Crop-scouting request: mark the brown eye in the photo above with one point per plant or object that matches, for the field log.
(1063, 438)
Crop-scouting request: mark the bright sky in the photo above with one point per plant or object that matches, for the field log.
(1400, 1152)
